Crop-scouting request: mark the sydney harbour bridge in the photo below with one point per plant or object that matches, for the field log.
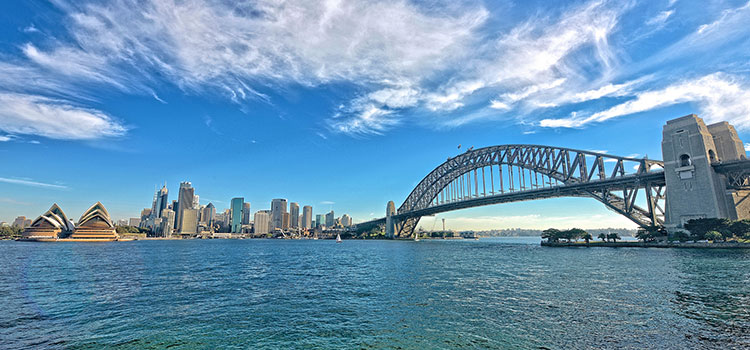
(704, 164)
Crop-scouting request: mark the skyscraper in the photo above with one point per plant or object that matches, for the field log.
(330, 219)
(285, 221)
(319, 220)
(208, 214)
(185, 199)
(160, 202)
(237, 205)
(261, 222)
(293, 215)
(278, 208)
(167, 223)
(346, 220)
(246, 213)
(189, 221)
(307, 216)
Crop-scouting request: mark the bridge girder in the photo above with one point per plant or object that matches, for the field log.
(568, 172)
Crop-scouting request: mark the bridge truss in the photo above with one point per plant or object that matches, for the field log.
(510, 173)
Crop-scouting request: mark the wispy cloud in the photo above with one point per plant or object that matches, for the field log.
(5, 138)
(327, 202)
(32, 183)
(661, 18)
(53, 118)
(719, 97)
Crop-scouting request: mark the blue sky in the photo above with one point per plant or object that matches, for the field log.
(344, 104)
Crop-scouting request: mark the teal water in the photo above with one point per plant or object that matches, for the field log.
(274, 294)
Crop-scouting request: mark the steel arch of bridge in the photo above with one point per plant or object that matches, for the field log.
(515, 172)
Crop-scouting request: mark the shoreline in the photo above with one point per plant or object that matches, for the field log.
(692, 245)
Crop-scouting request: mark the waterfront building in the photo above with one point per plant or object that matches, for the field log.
(261, 222)
(278, 208)
(136, 222)
(21, 222)
(50, 225)
(319, 220)
(346, 220)
(236, 207)
(246, 213)
(95, 224)
(306, 217)
(185, 199)
(330, 219)
(285, 222)
(208, 214)
(160, 202)
(167, 223)
(189, 221)
(293, 215)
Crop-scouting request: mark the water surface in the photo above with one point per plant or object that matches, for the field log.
(273, 294)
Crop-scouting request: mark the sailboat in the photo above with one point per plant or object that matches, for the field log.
(338, 238)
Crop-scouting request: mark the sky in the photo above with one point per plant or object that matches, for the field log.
(345, 105)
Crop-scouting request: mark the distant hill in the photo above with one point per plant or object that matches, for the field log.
(522, 232)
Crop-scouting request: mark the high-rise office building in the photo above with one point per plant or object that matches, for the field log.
(189, 221)
(330, 219)
(246, 213)
(208, 214)
(307, 216)
(293, 215)
(185, 198)
(261, 222)
(319, 220)
(196, 201)
(20, 222)
(278, 208)
(346, 220)
(285, 221)
(236, 207)
(167, 223)
(160, 202)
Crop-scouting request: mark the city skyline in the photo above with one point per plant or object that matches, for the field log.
(320, 116)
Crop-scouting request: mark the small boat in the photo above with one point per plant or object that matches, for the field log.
(416, 238)
(338, 238)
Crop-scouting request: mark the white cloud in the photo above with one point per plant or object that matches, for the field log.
(54, 118)
(720, 97)
(747, 147)
(31, 183)
(661, 18)
(369, 119)
(227, 45)
(5, 138)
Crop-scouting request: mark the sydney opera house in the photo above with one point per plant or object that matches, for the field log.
(95, 225)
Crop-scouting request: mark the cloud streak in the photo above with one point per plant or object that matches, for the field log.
(720, 97)
(57, 119)
(32, 183)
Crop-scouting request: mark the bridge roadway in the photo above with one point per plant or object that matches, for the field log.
(737, 173)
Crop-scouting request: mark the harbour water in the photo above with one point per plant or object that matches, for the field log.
(506, 293)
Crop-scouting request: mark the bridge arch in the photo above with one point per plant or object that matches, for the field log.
(525, 172)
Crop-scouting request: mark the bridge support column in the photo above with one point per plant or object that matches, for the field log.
(694, 189)
(390, 222)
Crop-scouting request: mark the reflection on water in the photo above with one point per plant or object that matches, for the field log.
(491, 294)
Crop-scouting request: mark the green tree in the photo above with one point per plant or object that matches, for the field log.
(740, 228)
(699, 227)
(574, 234)
(681, 236)
(551, 235)
(613, 236)
(587, 237)
(713, 236)
(602, 236)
